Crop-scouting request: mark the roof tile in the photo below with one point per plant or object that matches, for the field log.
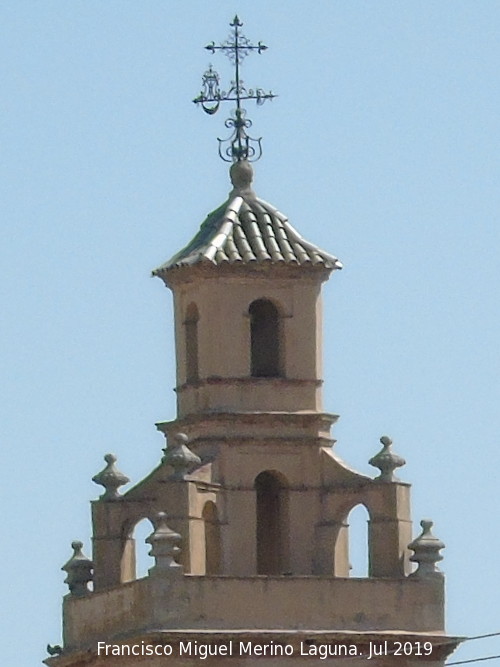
(248, 229)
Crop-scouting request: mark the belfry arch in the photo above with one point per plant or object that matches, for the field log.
(134, 555)
(272, 522)
(359, 546)
(191, 342)
(266, 344)
(211, 524)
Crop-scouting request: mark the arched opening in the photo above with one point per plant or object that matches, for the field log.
(212, 538)
(358, 549)
(272, 523)
(265, 339)
(191, 338)
(136, 560)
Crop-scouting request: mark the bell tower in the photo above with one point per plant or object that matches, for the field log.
(247, 295)
(249, 504)
(247, 309)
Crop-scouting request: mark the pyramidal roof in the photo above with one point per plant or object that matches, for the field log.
(247, 230)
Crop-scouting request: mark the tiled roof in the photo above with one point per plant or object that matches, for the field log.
(247, 229)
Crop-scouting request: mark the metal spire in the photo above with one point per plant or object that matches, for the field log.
(239, 146)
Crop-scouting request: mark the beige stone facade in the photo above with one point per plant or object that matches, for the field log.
(253, 492)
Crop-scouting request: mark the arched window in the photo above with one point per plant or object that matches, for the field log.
(212, 538)
(265, 337)
(136, 560)
(354, 543)
(191, 337)
(272, 523)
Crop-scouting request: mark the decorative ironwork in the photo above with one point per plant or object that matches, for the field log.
(240, 145)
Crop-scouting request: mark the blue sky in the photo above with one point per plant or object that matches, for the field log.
(382, 147)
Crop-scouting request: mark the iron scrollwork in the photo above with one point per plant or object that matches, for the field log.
(240, 145)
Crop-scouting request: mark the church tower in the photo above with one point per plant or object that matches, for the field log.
(249, 503)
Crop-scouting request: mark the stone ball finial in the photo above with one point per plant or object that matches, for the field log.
(164, 547)
(79, 570)
(110, 478)
(180, 457)
(386, 461)
(426, 549)
(241, 174)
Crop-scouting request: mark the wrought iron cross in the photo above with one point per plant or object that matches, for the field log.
(239, 146)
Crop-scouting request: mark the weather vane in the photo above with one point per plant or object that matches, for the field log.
(239, 146)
